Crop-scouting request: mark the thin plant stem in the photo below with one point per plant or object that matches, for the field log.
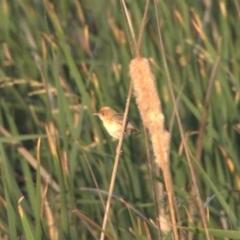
(181, 133)
(150, 169)
(115, 167)
(203, 121)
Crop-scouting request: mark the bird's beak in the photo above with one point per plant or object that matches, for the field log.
(95, 114)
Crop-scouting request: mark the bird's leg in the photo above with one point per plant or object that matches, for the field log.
(119, 151)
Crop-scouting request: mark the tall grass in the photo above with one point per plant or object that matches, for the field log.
(60, 62)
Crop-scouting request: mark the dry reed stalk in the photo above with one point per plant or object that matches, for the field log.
(149, 106)
(115, 167)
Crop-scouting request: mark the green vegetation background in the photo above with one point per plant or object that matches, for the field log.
(60, 61)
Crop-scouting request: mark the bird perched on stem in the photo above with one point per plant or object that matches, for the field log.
(113, 121)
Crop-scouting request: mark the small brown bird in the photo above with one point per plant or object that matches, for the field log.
(113, 121)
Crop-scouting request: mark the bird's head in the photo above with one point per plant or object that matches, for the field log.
(105, 113)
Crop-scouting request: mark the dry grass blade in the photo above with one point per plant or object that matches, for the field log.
(91, 222)
(31, 160)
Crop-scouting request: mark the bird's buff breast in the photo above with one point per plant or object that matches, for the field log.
(113, 128)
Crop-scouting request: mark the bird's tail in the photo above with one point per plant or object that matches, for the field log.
(135, 132)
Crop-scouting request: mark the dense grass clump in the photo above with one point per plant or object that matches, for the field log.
(60, 62)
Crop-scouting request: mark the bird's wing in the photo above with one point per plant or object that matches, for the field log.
(119, 119)
(129, 127)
